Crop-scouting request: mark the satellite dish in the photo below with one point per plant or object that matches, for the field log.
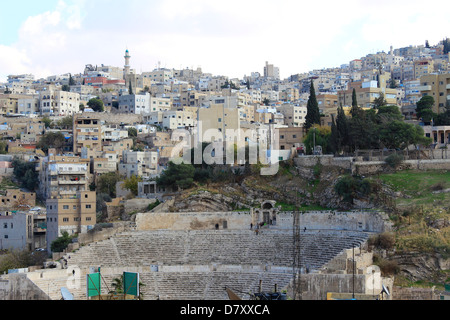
(66, 295)
(385, 290)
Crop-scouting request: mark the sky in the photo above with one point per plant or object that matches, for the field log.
(232, 38)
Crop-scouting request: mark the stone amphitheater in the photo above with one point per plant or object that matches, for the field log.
(182, 263)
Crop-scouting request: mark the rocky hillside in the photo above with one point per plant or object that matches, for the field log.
(419, 210)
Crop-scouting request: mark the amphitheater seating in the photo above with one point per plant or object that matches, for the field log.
(271, 249)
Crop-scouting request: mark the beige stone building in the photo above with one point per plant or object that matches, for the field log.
(366, 93)
(214, 121)
(437, 86)
(294, 115)
(74, 213)
(15, 198)
(63, 175)
(423, 67)
(87, 132)
(59, 103)
(328, 105)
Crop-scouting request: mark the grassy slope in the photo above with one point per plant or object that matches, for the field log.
(418, 208)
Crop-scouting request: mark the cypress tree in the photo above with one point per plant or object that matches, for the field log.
(334, 138)
(342, 128)
(130, 89)
(312, 109)
(354, 109)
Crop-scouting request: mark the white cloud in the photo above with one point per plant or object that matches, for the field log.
(231, 38)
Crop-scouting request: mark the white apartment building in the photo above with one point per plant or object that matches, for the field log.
(171, 119)
(141, 163)
(159, 75)
(134, 103)
(29, 105)
(59, 103)
(294, 115)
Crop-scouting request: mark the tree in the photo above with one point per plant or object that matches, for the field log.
(443, 119)
(47, 122)
(25, 173)
(446, 43)
(424, 108)
(388, 113)
(379, 101)
(342, 129)
(96, 104)
(317, 136)
(355, 108)
(333, 142)
(362, 131)
(132, 132)
(51, 140)
(130, 88)
(351, 187)
(106, 183)
(177, 176)
(66, 122)
(71, 81)
(312, 109)
(131, 184)
(61, 243)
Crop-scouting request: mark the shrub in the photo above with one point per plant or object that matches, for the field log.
(394, 160)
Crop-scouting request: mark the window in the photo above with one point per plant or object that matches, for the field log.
(88, 218)
(88, 206)
(66, 207)
(65, 219)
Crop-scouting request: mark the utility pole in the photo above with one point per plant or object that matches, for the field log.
(297, 254)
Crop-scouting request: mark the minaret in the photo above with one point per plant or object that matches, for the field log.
(126, 69)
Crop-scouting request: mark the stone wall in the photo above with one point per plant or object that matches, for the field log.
(103, 233)
(193, 220)
(371, 221)
(357, 166)
(320, 220)
(400, 293)
(19, 287)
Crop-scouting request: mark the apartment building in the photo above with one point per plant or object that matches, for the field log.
(140, 163)
(134, 103)
(366, 93)
(74, 213)
(289, 137)
(437, 86)
(9, 103)
(270, 71)
(159, 75)
(170, 119)
(328, 105)
(294, 115)
(18, 199)
(87, 132)
(28, 105)
(59, 103)
(215, 120)
(63, 175)
(423, 67)
(14, 232)
(191, 98)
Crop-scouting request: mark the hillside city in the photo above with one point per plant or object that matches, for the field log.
(79, 151)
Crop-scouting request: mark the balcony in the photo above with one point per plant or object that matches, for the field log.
(447, 87)
(71, 182)
(424, 88)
